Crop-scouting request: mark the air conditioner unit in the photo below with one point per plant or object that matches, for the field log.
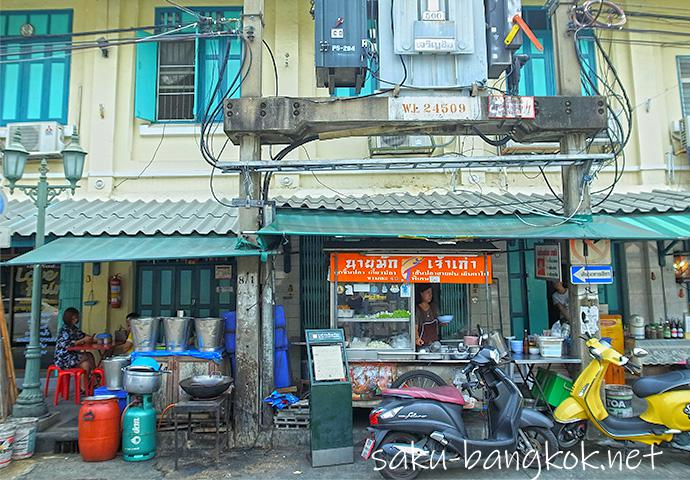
(401, 145)
(685, 132)
(39, 138)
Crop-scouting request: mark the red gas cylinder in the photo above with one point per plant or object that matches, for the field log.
(99, 428)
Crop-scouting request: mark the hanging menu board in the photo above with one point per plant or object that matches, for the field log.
(358, 268)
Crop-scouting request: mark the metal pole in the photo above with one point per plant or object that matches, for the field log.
(576, 197)
(247, 394)
(30, 402)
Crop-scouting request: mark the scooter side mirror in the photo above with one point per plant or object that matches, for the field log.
(639, 352)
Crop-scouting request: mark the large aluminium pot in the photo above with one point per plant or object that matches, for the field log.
(145, 333)
(206, 386)
(141, 380)
(112, 367)
(209, 333)
(176, 331)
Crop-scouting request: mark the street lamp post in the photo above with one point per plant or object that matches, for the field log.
(30, 402)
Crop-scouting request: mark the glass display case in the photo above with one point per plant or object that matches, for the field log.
(374, 316)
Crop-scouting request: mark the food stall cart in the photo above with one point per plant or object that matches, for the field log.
(373, 299)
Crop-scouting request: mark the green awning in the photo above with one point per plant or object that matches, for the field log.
(124, 248)
(361, 224)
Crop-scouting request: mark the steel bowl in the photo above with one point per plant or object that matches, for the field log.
(140, 380)
(206, 386)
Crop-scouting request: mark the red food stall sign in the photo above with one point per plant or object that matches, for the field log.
(357, 268)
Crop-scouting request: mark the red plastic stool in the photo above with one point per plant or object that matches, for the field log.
(96, 372)
(51, 369)
(64, 379)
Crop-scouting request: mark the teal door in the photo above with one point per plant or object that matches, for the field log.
(528, 300)
(201, 289)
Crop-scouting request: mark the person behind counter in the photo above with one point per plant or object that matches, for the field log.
(426, 315)
(127, 346)
(68, 336)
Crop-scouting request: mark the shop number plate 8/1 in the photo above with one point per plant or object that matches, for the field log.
(368, 447)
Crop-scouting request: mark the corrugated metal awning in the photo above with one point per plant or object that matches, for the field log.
(123, 248)
(122, 217)
(358, 224)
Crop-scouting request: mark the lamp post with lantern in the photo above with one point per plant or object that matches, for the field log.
(30, 402)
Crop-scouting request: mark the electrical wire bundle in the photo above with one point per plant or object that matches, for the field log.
(603, 14)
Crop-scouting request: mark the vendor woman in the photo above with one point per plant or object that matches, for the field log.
(426, 315)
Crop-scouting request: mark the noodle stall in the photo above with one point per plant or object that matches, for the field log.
(374, 299)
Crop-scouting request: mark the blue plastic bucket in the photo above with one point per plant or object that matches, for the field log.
(120, 394)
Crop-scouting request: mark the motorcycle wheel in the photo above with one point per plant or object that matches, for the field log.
(538, 438)
(418, 378)
(398, 473)
(570, 435)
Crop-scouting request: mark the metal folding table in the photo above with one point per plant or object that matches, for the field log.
(533, 361)
(214, 407)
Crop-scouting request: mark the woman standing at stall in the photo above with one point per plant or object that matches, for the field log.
(426, 315)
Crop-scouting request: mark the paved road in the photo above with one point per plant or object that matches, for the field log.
(291, 464)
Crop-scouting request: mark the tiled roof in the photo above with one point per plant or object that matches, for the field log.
(111, 217)
(470, 203)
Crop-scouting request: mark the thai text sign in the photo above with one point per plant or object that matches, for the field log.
(357, 268)
(547, 258)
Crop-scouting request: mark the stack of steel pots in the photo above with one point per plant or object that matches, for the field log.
(176, 330)
(209, 333)
(145, 333)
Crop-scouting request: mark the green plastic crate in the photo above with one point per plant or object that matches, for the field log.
(557, 388)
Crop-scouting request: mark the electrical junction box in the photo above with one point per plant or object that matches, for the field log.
(341, 43)
(440, 44)
(499, 22)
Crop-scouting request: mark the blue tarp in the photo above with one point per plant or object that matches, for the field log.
(215, 356)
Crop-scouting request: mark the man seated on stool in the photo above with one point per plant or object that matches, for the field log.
(69, 336)
(128, 346)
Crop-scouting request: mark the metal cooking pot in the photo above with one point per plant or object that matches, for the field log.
(206, 386)
(112, 367)
(141, 380)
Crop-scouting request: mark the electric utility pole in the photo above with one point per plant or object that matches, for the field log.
(576, 197)
(247, 400)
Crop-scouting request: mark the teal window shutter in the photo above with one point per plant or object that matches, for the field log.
(538, 76)
(146, 79)
(70, 289)
(34, 74)
(683, 63)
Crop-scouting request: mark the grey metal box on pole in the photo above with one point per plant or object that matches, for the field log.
(341, 43)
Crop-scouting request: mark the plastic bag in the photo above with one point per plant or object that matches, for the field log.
(280, 400)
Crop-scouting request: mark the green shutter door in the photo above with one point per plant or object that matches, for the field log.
(314, 285)
(453, 301)
(70, 289)
(537, 305)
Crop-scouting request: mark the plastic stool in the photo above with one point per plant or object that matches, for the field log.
(51, 369)
(64, 379)
(96, 372)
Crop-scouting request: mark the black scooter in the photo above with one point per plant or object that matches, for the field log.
(415, 429)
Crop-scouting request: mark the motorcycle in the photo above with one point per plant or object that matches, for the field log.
(415, 426)
(666, 420)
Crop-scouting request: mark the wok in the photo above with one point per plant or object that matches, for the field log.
(206, 386)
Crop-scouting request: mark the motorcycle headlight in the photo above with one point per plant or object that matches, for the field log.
(495, 356)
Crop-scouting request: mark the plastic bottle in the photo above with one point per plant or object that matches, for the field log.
(674, 330)
(681, 331)
(667, 331)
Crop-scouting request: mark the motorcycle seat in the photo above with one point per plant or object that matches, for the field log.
(445, 394)
(652, 385)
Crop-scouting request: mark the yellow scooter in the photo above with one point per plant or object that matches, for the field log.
(666, 420)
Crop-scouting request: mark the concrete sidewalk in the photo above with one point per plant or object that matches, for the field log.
(287, 464)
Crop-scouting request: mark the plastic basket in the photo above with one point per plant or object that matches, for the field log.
(551, 346)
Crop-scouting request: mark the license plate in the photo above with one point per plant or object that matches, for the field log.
(368, 447)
